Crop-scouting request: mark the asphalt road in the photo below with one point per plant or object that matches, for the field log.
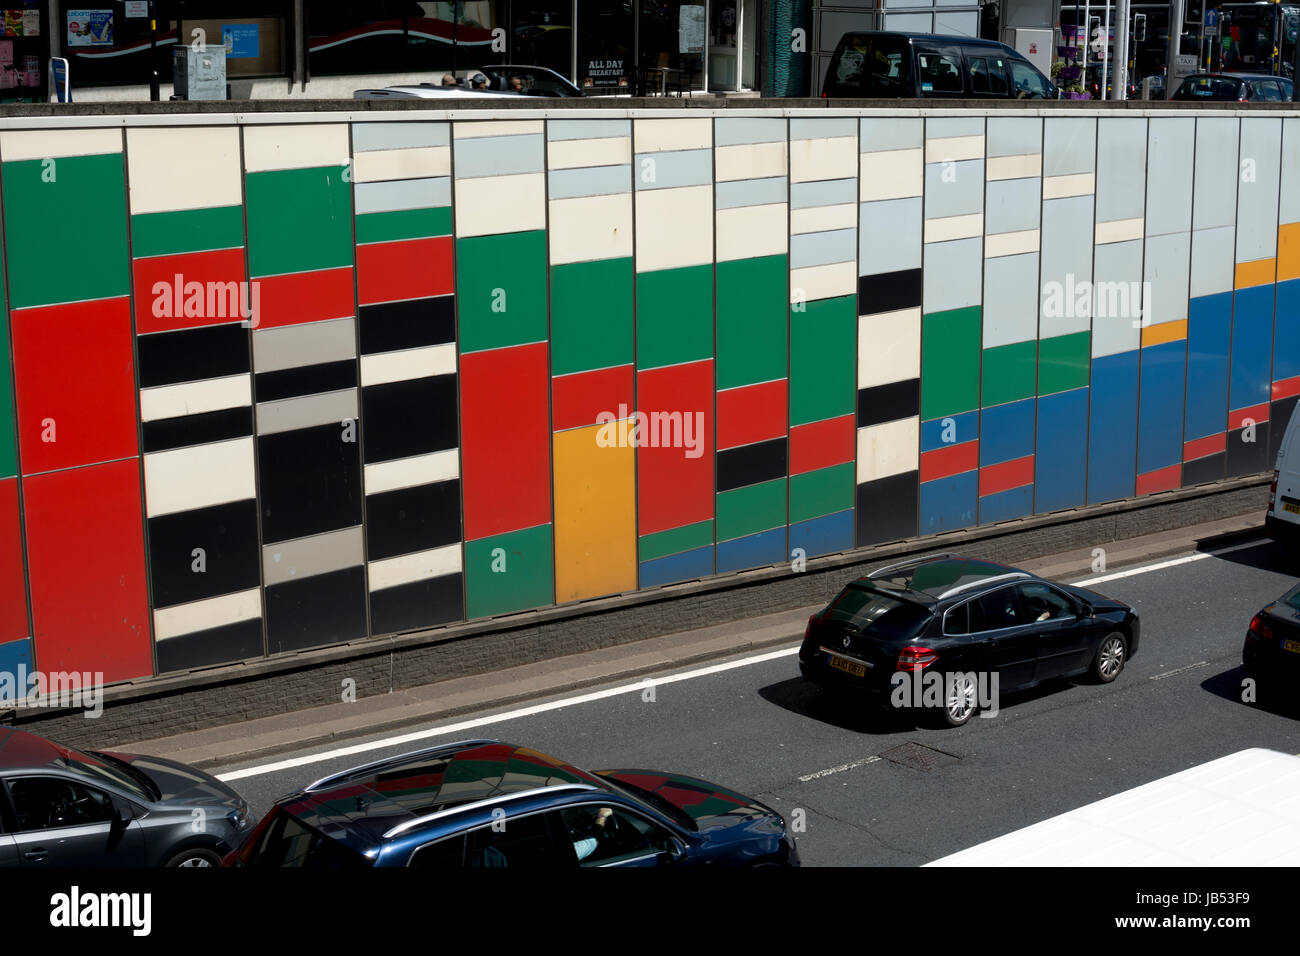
(759, 729)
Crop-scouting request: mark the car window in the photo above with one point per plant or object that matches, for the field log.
(1267, 91)
(939, 73)
(44, 803)
(879, 613)
(1027, 82)
(602, 835)
(1043, 603)
(448, 854)
(519, 842)
(1208, 88)
(987, 76)
(870, 66)
(995, 610)
(957, 620)
(290, 842)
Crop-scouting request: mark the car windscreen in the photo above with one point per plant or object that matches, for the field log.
(288, 842)
(877, 613)
(1208, 88)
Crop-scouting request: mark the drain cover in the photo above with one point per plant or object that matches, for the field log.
(918, 756)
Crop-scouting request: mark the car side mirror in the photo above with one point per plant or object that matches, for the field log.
(676, 852)
(121, 817)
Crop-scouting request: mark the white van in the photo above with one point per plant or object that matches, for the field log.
(1239, 810)
(1282, 523)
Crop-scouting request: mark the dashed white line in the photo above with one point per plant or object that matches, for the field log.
(1179, 670)
(840, 769)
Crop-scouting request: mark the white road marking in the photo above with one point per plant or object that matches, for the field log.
(1179, 670)
(641, 685)
(841, 768)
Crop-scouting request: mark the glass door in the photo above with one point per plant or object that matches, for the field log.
(724, 42)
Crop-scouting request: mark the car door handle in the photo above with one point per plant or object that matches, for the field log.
(35, 853)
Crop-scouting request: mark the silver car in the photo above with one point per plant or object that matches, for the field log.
(64, 807)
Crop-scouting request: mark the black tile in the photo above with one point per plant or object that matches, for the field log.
(201, 429)
(889, 291)
(751, 464)
(390, 326)
(418, 604)
(228, 536)
(311, 612)
(1201, 470)
(1279, 416)
(1249, 457)
(240, 641)
(305, 380)
(887, 508)
(889, 403)
(412, 519)
(191, 355)
(310, 482)
(415, 417)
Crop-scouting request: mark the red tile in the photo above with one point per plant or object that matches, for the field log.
(673, 488)
(1209, 445)
(577, 399)
(161, 280)
(85, 552)
(950, 460)
(1006, 475)
(505, 440)
(1286, 388)
(1256, 413)
(822, 444)
(409, 269)
(13, 580)
(304, 297)
(75, 379)
(752, 413)
(1162, 480)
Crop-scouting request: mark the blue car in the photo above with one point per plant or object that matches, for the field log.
(484, 803)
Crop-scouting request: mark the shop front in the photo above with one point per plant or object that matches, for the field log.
(24, 51)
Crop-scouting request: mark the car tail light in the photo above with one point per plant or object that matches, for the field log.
(1272, 492)
(1257, 626)
(916, 658)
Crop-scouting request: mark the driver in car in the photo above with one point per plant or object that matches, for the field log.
(585, 845)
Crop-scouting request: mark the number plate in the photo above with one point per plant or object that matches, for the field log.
(1291, 506)
(1292, 646)
(849, 667)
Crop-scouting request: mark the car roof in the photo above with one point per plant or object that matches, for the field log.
(935, 580)
(364, 806)
(936, 38)
(20, 750)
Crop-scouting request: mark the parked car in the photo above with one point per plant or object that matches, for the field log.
(1238, 87)
(1271, 654)
(64, 807)
(484, 803)
(536, 80)
(955, 616)
(917, 65)
(1282, 520)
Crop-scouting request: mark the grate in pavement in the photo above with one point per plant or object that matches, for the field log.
(918, 756)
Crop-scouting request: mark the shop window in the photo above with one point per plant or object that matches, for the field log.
(24, 53)
(105, 47)
(391, 36)
(672, 40)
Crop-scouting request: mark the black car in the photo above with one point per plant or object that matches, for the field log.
(1235, 87)
(873, 64)
(65, 807)
(962, 620)
(484, 803)
(1272, 649)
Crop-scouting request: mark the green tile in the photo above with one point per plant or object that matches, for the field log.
(674, 316)
(823, 360)
(66, 235)
(743, 511)
(950, 362)
(404, 224)
(1064, 362)
(501, 290)
(821, 492)
(189, 230)
(675, 541)
(528, 580)
(1008, 373)
(752, 320)
(591, 315)
(299, 220)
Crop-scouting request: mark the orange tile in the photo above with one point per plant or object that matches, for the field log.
(1259, 272)
(1164, 332)
(1288, 251)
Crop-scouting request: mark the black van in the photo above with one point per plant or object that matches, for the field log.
(916, 65)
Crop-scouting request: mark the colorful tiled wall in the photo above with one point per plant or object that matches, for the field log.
(275, 386)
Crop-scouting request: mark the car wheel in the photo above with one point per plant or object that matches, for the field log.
(1109, 661)
(960, 699)
(195, 857)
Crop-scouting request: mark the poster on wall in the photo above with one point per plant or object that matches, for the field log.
(31, 23)
(90, 28)
(240, 40)
(13, 23)
(690, 29)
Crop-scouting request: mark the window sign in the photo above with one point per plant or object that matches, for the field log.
(90, 28)
(690, 29)
(240, 40)
(137, 8)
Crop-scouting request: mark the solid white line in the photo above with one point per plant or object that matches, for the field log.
(633, 688)
(841, 768)
(464, 725)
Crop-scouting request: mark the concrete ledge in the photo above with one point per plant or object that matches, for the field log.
(165, 706)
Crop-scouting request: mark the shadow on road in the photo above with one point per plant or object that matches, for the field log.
(1279, 698)
(1265, 556)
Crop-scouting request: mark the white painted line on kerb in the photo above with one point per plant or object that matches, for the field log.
(464, 725)
(508, 715)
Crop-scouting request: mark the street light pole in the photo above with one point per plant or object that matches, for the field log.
(1176, 13)
(1121, 51)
